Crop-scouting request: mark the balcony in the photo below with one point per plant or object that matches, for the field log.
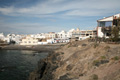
(106, 29)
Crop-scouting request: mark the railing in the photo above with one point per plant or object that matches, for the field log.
(106, 28)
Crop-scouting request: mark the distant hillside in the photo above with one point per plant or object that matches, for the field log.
(81, 60)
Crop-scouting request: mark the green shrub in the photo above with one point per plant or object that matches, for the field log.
(96, 62)
(96, 45)
(107, 47)
(103, 57)
(62, 52)
(94, 77)
(116, 58)
(115, 34)
(69, 46)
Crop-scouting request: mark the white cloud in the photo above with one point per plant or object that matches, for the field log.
(71, 7)
(7, 10)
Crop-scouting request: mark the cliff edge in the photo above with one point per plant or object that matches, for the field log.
(80, 60)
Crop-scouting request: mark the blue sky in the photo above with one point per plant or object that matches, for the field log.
(37, 16)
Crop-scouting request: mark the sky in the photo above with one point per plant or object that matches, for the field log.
(41, 16)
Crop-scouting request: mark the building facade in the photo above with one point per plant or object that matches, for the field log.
(2, 36)
(104, 26)
(50, 35)
(83, 34)
(29, 41)
(62, 34)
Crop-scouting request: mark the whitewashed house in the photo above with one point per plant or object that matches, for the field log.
(14, 37)
(62, 34)
(40, 36)
(2, 36)
(51, 41)
(42, 41)
(28, 40)
(50, 35)
(69, 33)
(104, 25)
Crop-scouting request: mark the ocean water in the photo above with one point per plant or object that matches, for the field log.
(17, 64)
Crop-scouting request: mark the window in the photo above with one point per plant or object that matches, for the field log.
(108, 24)
(105, 24)
(87, 34)
(101, 24)
(108, 34)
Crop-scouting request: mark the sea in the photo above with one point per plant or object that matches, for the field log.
(18, 64)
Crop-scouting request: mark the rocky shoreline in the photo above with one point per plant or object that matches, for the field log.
(80, 60)
(40, 48)
(46, 67)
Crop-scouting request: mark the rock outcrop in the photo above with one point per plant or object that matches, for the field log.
(80, 60)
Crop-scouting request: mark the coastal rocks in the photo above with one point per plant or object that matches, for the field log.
(42, 72)
(64, 77)
(80, 63)
(69, 67)
(46, 67)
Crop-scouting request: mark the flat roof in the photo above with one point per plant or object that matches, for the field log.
(110, 18)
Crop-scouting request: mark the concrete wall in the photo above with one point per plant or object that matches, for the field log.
(100, 33)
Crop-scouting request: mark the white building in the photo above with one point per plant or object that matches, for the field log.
(50, 35)
(83, 34)
(69, 33)
(40, 36)
(62, 34)
(2, 36)
(104, 25)
(14, 37)
(29, 41)
(51, 41)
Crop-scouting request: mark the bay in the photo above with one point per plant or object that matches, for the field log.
(17, 64)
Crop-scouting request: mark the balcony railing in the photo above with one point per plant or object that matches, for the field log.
(106, 28)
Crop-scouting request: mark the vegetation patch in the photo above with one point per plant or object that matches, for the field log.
(99, 62)
(116, 58)
(103, 57)
(107, 47)
(84, 44)
(81, 75)
(96, 62)
(69, 46)
(96, 45)
(94, 77)
(62, 52)
(115, 34)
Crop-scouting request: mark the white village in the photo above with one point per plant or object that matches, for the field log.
(103, 29)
